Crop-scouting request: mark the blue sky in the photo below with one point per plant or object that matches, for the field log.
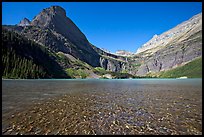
(111, 25)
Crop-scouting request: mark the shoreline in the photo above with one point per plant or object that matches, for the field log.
(100, 79)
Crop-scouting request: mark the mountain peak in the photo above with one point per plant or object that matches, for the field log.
(54, 18)
(57, 10)
(24, 22)
(46, 16)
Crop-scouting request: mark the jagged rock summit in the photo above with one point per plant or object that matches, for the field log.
(55, 19)
(24, 22)
(52, 28)
(46, 16)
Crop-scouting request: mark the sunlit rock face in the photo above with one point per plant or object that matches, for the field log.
(173, 48)
(174, 35)
(123, 53)
(111, 64)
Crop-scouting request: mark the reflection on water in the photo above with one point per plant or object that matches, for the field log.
(142, 106)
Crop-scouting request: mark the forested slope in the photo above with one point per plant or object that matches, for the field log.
(23, 58)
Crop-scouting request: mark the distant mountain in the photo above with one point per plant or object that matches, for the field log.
(123, 53)
(24, 22)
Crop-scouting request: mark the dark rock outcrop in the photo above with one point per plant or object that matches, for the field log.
(111, 64)
(55, 19)
(53, 29)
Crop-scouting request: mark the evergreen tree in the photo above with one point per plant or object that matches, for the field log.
(23, 58)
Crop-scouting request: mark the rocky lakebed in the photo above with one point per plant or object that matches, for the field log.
(102, 108)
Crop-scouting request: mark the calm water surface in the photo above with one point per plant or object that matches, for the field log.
(136, 106)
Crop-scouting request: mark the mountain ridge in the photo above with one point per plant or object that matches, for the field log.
(52, 29)
(163, 39)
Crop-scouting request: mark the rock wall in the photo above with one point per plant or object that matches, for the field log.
(111, 64)
(186, 28)
(171, 57)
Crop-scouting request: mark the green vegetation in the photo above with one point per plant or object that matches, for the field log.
(192, 69)
(62, 59)
(100, 71)
(147, 76)
(136, 66)
(111, 58)
(71, 62)
(118, 75)
(17, 67)
(82, 65)
(124, 71)
(73, 73)
(73, 67)
(197, 35)
(23, 58)
(103, 78)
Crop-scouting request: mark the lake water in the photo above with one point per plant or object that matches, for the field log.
(133, 106)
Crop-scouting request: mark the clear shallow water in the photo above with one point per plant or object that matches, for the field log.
(143, 97)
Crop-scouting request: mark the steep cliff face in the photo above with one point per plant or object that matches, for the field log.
(55, 19)
(174, 35)
(173, 56)
(173, 48)
(53, 29)
(112, 64)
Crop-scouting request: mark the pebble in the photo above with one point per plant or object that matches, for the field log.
(89, 114)
(127, 126)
